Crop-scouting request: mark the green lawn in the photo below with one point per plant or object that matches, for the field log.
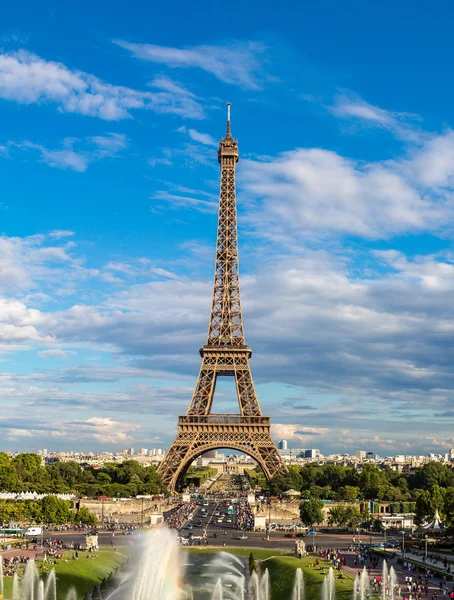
(282, 566)
(258, 553)
(282, 575)
(82, 574)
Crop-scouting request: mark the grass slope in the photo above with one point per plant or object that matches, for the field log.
(282, 575)
(82, 574)
(282, 567)
(258, 553)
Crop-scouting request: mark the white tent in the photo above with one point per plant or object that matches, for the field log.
(435, 524)
(291, 493)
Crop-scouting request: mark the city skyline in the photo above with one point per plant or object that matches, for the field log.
(108, 224)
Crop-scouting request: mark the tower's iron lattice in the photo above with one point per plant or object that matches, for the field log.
(225, 353)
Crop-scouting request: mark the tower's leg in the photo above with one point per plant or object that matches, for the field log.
(202, 398)
(247, 398)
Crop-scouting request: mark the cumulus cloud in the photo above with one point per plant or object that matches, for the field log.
(100, 430)
(28, 79)
(237, 63)
(298, 433)
(317, 190)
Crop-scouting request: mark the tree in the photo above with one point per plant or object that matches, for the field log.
(353, 516)
(311, 511)
(433, 473)
(55, 510)
(84, 517)
(367, 519)
(336, 516)
(252, 565)
(103, 478)
(448, 509)
(427, 503)
(348, 493)
(378, 525)
(8, 476)
(317, 491)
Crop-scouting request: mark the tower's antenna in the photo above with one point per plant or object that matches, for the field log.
(229, 104)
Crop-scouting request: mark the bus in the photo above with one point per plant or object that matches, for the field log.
(11, 531)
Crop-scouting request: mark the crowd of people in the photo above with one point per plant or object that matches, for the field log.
(178, 518)
(245, 516)
(334, 557)
(11, 565)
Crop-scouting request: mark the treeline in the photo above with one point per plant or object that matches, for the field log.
(196, 476)
(48, 510)
(334, 482)
(25, 472)
(423, 491)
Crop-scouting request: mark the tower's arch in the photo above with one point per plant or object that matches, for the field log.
(179, 474)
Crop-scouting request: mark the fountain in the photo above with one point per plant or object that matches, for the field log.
(361, 587)
(384, 580)
(328, 587)
(156, 571)
(389, 583)
(298, 586)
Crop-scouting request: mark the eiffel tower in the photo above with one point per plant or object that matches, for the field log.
(224, 354)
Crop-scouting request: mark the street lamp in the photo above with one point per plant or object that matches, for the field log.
(403, 546)
(425, 548)
(269, 519)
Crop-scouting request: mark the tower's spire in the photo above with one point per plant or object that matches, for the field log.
(229, 104)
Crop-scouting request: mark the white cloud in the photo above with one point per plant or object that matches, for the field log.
(28, 79)
(433, 164)
(110, 143)
(56, 353)
(66, 158)
(351, 106)
(104, 430)
(316, 190)
(235, 63)
(18, 433)
(39, 261)
(61, 233)
(299, 433)
(176, 200)
(90, 150)
(197, 136)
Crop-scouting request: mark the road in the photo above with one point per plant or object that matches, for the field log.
(219, 532)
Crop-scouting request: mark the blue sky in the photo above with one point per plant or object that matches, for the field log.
(110, 115)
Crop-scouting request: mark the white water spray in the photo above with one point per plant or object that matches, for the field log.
(298, 586)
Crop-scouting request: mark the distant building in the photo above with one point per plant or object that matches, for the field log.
(131, 451)
(210, 454)
(143, 451)
(312, 453)
(293, 452)
(360, 454)
(371, 456)
(44, 451)
(282, 445)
